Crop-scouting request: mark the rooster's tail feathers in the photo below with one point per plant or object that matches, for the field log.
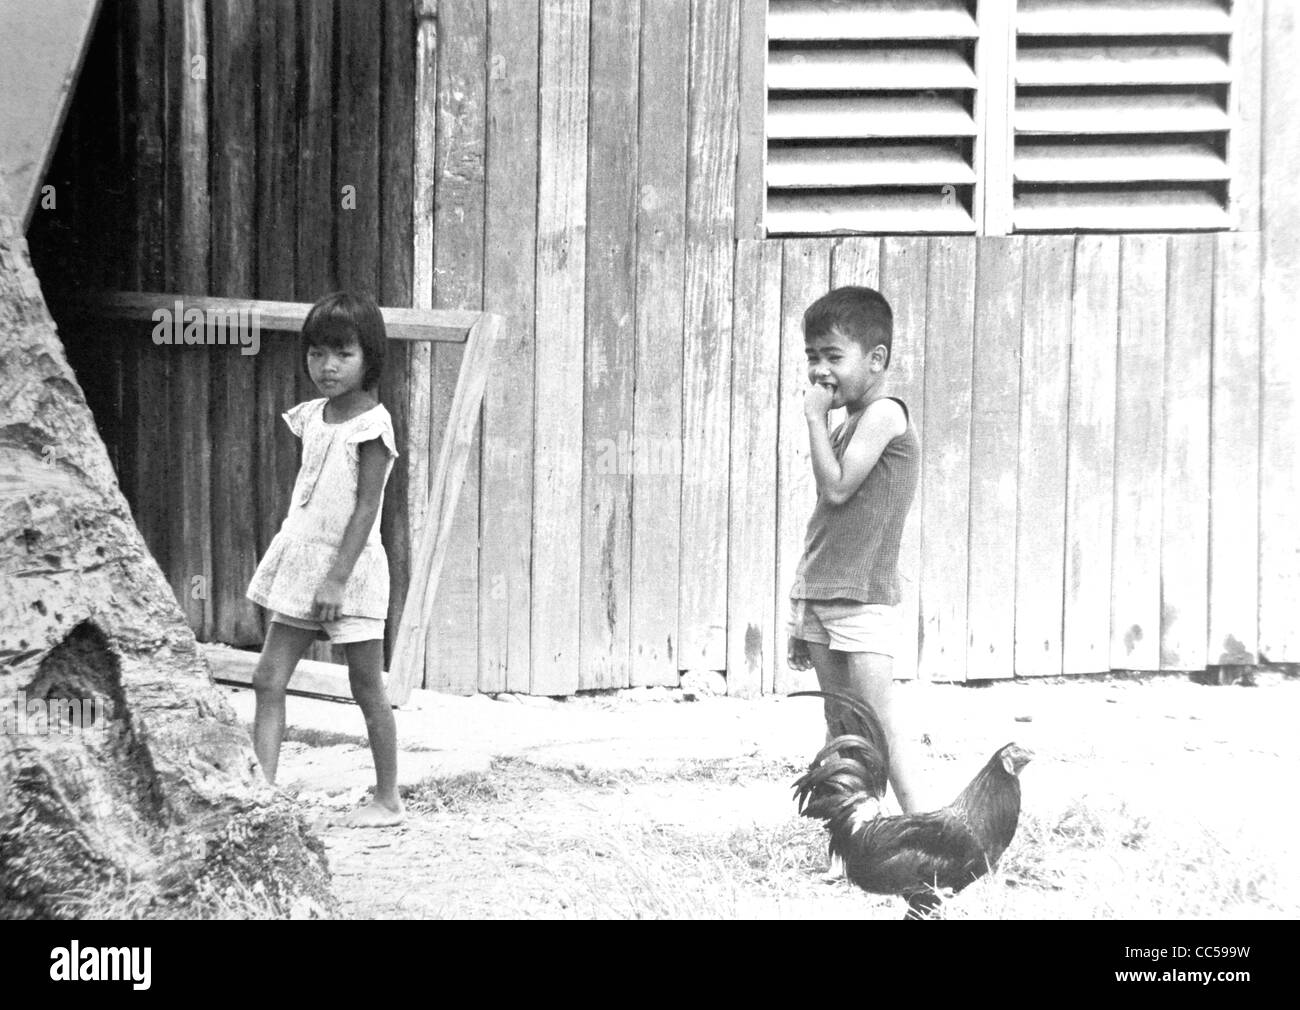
(850, 744)
(867, 723)
(835, 777)
(849, 769)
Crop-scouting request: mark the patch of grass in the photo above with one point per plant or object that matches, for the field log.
(122, 899)
(324, 737)
(454, 795)
(735, 771)
(1099, 859)
(721, 771)
(1094, 858)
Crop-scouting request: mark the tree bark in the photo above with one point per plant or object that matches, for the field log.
(153, 781)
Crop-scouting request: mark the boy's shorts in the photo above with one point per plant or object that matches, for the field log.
(341, 631)
(846, 625)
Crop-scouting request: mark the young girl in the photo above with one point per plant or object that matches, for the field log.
(326, 572)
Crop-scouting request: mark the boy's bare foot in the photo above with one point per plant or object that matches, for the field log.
(375, 815)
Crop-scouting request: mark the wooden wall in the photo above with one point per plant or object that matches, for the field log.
(1105, 439)
(1089, 415)
(210, 149)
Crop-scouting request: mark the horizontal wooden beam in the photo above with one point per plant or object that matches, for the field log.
(442, 325)
(234, 666)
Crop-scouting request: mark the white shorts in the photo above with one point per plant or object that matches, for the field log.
(846, 625)
(341, 631)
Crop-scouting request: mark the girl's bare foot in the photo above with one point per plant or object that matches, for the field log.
(377, 815)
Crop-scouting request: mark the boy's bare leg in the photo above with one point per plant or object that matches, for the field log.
(365, 674)
(870, 676)
(283, 648)
(832, 675)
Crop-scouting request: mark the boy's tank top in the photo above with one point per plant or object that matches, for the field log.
(851, 550)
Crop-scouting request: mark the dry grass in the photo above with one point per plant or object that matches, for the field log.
(573, 845)
(121, 899)
(1148, 801)
(527, 842)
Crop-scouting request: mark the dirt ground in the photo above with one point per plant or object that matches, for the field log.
(1147, 797)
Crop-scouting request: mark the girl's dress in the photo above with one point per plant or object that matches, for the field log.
(324, 497)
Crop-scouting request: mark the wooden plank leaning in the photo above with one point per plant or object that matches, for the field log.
(408, 657)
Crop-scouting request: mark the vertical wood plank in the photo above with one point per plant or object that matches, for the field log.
(1234, 453)
(189, 213)
(419, 449)
(1185, 518)
(1041, 494)
(904, 273)
(995, 103)
(144, 30)
(706, 353)
(945, 464)
(754, 642)
(1279, 535)
(356, 150)
(397, 152)
(609, 453)
(234, 164)
(994, 454)
(805, 277)
(1139, 454)
(319, 201)
(856, 261)
(1248, 112)
(561, 273)
(1090, 484)
(751, 154)
(510, 236)
(278, 361)
(396, 238)
(657, 394)
(458, 283)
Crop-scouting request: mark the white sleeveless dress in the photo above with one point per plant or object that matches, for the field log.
(324, 497)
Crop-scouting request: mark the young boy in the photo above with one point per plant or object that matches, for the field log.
(845, 597)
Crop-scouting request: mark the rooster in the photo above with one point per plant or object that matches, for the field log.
(912, 855)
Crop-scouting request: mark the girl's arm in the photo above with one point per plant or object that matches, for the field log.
(372, 462)
(837, 480)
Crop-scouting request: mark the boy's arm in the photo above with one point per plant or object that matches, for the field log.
(837, 480)
(372, 460)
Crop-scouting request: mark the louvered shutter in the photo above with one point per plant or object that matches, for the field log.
(1122, 115)
(872, 116)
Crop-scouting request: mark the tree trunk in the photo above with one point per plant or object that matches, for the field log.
(119, 760)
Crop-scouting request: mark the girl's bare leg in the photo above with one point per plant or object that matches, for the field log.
(870, 676)
(365, 673)
(283, 648)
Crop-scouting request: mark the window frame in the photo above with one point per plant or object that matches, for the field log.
(994, 143)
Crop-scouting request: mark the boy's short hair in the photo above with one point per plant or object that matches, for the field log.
(336, 319)
(861, 314)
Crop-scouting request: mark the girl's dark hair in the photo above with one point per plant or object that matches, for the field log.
(336, 319)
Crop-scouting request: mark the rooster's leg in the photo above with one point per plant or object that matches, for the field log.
(920, 906)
